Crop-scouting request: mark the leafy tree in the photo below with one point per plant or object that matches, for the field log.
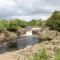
(34, 22)
(54, 21)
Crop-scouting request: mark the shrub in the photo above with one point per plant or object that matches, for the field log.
(12, 25)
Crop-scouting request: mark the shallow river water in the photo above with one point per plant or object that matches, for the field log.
(22, 42)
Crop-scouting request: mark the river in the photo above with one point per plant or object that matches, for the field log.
(24, 40)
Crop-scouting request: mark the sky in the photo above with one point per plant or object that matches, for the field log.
(28, 9)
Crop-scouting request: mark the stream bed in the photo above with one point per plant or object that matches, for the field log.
(20, 43)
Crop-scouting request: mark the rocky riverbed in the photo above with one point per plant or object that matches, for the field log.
(27, 53)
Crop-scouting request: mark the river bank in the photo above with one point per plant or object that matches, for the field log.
(28, 52)
(48, 40)
(6, 35)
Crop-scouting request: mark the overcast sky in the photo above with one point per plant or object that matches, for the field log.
(28, 9)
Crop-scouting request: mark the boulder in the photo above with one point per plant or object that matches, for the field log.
(47, 34)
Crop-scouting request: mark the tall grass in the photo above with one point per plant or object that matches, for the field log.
(41, 55)
(57, 54)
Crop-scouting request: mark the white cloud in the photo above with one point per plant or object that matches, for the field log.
(28, 9)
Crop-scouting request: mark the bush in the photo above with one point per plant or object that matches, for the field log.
(21, 23)
(12, 25)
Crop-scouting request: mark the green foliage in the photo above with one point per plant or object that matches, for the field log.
(21, 23)
(57, 54)
(41, 55)
(54, 21)
(3, 24)
(12, 25)
(34, 22)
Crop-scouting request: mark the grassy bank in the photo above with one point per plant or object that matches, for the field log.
(41, 55)
(57, 54)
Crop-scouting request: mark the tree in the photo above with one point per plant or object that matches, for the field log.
(54, 21)
(32, 22)
(37, 22)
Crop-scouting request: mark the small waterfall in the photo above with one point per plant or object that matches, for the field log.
(26, 40)
(29, 33)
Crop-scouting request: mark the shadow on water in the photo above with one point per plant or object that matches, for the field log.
(20, 43)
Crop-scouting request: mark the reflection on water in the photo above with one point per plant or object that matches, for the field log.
(22, 42)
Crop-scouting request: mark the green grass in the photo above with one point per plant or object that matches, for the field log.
(41, 55)
(57, 54)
